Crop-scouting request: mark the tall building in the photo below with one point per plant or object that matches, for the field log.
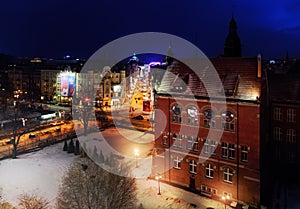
(208, 145)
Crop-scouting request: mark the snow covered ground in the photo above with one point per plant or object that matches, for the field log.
(41, 173)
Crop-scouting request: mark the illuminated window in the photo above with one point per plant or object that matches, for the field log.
(228, 175)
(177, 163)
(193, 166)
(176, 114)
(228, 122)
(209, 171)
(192, 116)
(209, 119)
(291, 115)
(277, 113)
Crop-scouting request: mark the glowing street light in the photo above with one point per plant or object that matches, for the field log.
(158, 177)
(225, 198)
(136, 154)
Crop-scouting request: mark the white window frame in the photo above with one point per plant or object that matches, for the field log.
(177, 163)
(228, 175)
(193, 166)
(209, 171)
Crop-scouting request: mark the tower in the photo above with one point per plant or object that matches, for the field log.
(232, 46)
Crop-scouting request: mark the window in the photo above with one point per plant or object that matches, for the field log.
(192, 143)
(196, 144)
(277, 134)
(224, 150)
(193, 167)
(228, 122)
(291, 135)
(209, 119)
(192, 116)
(189, 142)
(209, 146)
(176, 114)
(209, 171)
(277, 114)
(177, 163)
(231, 151)
(177, 140)
(209, 190)
(244, 153)
(291, 115)
(227, 175)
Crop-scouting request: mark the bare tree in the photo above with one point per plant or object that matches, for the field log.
(33, 201)
(20, 124)
(88, 186)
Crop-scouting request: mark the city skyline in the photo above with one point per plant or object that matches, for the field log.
(54, 29)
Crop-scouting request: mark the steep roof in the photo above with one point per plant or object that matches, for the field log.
(238, 79)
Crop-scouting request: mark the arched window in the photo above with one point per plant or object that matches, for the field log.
(209, 119)
(228, 121)
(176, 114)
(192, 116)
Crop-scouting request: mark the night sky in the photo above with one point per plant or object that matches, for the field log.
(54, 28)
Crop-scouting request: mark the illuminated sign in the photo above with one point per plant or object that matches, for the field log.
(67, 84)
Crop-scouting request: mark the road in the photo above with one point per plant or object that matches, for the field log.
(49, 133)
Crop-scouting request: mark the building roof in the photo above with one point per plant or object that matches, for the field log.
(238, 78)
(285, 87)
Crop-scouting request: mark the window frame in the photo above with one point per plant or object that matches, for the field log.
(209, 171)
(193, 167)
(228, 175)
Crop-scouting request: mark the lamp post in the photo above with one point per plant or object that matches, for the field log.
(158, 177)
(136, 154)
(225, 198)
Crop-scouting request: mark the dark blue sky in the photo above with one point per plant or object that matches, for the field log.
(54, 28)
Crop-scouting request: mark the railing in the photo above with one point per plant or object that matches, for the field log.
(34, 144)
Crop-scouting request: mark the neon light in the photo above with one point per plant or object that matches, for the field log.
(154, 63)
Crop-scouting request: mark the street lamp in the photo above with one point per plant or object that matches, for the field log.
(225, 198)
(158, 177)
(136, 154)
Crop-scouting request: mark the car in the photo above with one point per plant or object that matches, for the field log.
(31, 136)
(9, 141)
(139, 117)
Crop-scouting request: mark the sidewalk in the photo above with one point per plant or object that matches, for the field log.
(171, 197)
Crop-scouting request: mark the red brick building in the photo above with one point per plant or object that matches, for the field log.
(209, 145)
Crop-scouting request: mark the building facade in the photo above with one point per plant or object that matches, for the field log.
(207, 145)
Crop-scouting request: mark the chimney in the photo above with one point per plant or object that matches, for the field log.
(259, 66)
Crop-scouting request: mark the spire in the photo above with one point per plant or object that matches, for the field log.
(232, 46)
(169, 55)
